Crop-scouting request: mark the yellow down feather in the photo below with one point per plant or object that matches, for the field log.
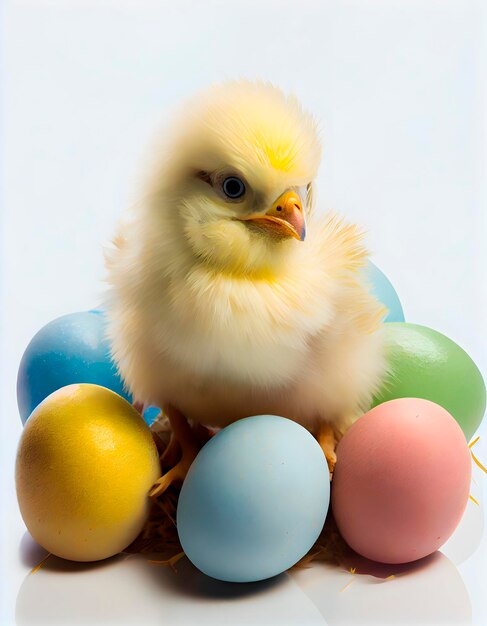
(223, 321)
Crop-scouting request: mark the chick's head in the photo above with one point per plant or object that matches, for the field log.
(239, 172)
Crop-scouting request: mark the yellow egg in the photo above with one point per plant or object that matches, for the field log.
(85, 464)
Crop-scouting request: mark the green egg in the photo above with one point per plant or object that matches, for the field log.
(426, 364)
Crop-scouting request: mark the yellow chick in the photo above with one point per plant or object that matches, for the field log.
(229, 296)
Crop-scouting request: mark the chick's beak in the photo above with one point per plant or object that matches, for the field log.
(285, 217)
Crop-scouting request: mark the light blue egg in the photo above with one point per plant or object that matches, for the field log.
(384, 292)
(254, 500)
(70, 349)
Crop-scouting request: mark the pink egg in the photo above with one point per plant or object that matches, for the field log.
(401, 480)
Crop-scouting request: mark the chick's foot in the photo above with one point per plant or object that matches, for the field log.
(184, 443)
(326, 439)
(138, 406)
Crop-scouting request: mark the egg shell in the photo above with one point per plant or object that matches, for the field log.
(85, 464)
(384, 291)
(70, 349)
(401, 480)
(151, 414)
(426, 364)
(255, 499)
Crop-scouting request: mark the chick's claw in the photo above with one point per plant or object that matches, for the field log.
(171, 454)
(176, 474)
(327, 440)
(184, 438)
(138, 406)
(331, 459)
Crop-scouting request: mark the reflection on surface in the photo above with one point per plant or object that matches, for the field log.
(430, 591)
(468, 536)
(128, 589)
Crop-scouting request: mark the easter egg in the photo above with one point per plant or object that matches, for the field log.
(426, 364)
(383, 290)
(401, 480)
(70, 349)
(254, 500)
(151, 414)
(85, 464)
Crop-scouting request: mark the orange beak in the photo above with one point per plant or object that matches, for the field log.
(285, 217)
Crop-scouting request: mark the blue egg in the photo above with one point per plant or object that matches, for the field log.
(384, 292)
(151, 414)
(254, 500)
(70, 349)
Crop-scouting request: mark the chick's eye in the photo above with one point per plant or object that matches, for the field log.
(233, 187)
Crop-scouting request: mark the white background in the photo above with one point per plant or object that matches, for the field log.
(400, 89)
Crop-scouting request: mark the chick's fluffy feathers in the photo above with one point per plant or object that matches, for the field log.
(221, 323)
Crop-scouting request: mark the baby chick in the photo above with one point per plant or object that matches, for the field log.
(229, 296)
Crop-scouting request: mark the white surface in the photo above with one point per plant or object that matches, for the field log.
(445, 588)
(400, 90)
